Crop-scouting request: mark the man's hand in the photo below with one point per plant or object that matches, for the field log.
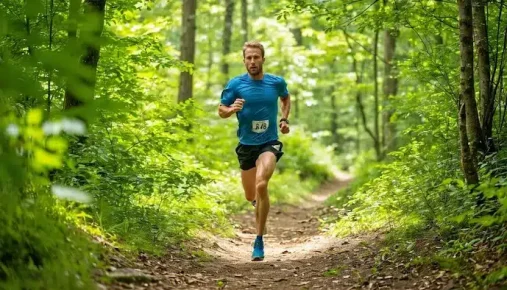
(284, 127)
(237, 105)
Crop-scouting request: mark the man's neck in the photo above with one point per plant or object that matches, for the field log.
(257, 77)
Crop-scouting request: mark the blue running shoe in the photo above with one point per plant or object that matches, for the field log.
(258, 250)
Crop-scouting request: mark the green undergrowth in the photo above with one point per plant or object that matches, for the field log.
(139, 185)
(431, 216)
(41, 246)
(472, 254)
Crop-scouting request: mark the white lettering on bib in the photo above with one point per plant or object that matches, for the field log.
(260, 126)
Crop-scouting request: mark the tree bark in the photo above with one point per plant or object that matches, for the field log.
(226, 44)
(210, 51)
(50, 43)
(298, 36)
(28, 29)
(27, 98)
(334, 119)
(376, 113)
(390, 89)
(94, 11)
(487, 100)
(467, 91)
(467, 164)
(187, 48)
(244, 19)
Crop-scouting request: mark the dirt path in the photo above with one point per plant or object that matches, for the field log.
(298, 256)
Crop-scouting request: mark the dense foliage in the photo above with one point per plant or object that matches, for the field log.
(127, 163)
(96, 145)
(417, 190)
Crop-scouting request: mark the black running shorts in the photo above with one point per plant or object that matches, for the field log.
(248, 154)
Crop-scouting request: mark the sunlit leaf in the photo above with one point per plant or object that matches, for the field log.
(57, 144)
(12, 130)
(70, 193)
(34, 117)
(73, 126)
(46, 159)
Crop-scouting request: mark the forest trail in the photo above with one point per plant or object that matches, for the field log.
(298, 256)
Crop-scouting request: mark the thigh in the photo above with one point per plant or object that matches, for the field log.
(248, 180)
(266, 164)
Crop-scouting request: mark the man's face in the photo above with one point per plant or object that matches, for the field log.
(253, 60)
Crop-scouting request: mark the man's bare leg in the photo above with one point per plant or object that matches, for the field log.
(248, 180)
(266, 164)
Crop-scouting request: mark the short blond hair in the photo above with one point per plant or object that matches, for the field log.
(253, 44)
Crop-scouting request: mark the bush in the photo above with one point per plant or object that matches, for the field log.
(40, 248)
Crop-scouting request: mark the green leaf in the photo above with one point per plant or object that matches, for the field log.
(34, 117)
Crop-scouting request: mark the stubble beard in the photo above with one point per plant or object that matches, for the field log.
(255, 72)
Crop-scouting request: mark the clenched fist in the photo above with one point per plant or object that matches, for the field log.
(237, 106)
(284, 127)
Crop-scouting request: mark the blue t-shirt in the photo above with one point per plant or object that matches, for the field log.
(258, 118)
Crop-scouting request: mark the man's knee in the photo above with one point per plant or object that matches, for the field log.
(250, 195)
(262, 187)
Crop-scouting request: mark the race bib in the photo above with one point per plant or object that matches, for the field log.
(260, 126)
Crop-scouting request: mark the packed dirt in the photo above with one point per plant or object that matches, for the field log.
(298, 256)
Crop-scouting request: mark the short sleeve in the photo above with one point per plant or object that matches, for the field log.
(282, 88)
(228, 94)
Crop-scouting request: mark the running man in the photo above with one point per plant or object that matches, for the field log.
(253, 96)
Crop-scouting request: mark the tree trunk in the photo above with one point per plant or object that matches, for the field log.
(50, 43)
(28, 14)
(359, 101)
(487, 100)
(187, 48)
(376, 96)
(226, 44)
(94, 12)
(467, 163)
(390, 89)
(244, 19)
(467, 92)
(334, 119)
(298, 36)
(210, 51)
(27, 28)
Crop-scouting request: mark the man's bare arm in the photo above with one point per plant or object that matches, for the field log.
(227, 111)
(285, 107)
(224, 111)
